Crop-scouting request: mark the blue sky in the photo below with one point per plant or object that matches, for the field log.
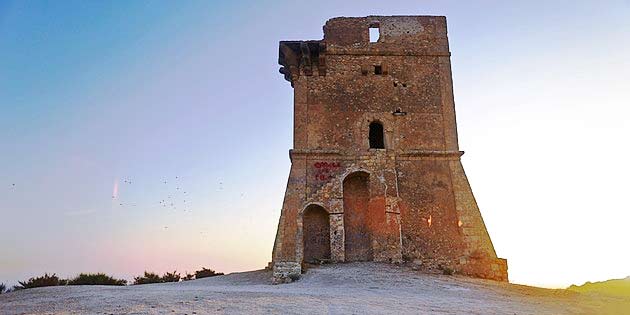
(94, 95)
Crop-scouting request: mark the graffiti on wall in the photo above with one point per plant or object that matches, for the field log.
(325, 170)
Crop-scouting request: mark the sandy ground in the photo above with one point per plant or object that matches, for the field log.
(356, 288)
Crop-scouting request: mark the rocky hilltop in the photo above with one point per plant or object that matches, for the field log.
(354, 288)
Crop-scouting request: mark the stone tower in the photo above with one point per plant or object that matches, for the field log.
(375, 166)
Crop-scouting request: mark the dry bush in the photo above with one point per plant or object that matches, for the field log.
(148, 277)
(96, 279)
(43, 281)
(188, 277)
(152, 277)
(171, 277)
(204, 273)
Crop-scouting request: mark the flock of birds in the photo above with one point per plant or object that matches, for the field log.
(174, 198)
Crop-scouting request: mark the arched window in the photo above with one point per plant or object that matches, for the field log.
(376, 135)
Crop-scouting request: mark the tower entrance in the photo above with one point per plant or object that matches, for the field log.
(316, 226)
(356, 199)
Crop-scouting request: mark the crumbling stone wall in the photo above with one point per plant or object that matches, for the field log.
(408, 202)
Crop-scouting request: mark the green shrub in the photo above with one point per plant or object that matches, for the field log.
(171, 277)
(3, 288)
(96, 279)
(151, 277)
(204, 273)
(148, 277)
(188, 277)
(43, 281)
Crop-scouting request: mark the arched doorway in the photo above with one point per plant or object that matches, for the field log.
(356, 199)
(316, 228)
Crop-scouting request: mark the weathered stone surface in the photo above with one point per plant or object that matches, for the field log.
(375, 146)
(285, 271)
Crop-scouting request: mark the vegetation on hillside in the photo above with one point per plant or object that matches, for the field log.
(152, 277)
(42, 281)
(188, 276)
(617, 287)
(171, 276)
(96, 279)
(204, 273)
(148, 277)
(103, 279)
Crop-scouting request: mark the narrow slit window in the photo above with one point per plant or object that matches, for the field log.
(376, 136)
(375, 34)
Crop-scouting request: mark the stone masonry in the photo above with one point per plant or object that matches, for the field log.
(376, 173)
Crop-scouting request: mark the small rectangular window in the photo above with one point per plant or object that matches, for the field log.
(378, 69)
(375, 34)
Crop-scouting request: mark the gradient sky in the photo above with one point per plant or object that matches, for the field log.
(94, 95)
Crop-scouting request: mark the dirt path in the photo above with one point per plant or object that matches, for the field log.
(357, 288)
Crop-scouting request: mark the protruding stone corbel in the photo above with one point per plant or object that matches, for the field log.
(289, 60)
(307, 63)
(297, 57)
(321, 62)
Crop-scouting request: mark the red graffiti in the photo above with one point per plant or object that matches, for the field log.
(327, 165)
(324, 170)
(323, 176)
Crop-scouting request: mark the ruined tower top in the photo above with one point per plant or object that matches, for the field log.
(396, 36)
(390, 70)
